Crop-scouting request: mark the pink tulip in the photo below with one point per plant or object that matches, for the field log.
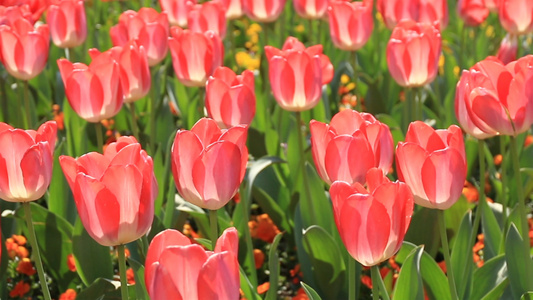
(473, 12)
(230, 98)
(233, 9)
(201, 274)
(9, 14)
(177, 11)
(135, 78)
(311, 9)
(263, 10)
(195, 56)
(93, 91)
(413, 53)
(508, 49)
(372, 223)
(208, 163)
(516, 16)
(26, 158)
(349, 146)
(24, 49)
(210, 15)
(492, 98)
(433, 164)
(34, 7)
(292, 44)
(351, 23)
(493, 5)
(422, 11)
(149, 27)
(114, 192)
(68, 26)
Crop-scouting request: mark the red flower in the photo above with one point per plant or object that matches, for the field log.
(19, 290)
(351, 23)
(68, 26)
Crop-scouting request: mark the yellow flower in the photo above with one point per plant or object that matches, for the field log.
(244, 60)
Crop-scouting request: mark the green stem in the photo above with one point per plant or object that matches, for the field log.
(213, 222)
(419, 105)
(504, 195)
(351, 278)
(99, 136)
(35, 248)
(134, 127)
(122, 271)
(248, 237)
(307, 187)
(377, 284)
(446, 250)
(481, 191)
(231, 33)
(201, 102)
(153, 106)
(27, 105)
(353, 55)
(310, 37)
(67, 54)
(521, 206)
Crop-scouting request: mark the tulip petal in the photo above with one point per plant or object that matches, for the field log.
(219, 277)
(186, 149)
(409, 161)
(348, 158)
(161, 285)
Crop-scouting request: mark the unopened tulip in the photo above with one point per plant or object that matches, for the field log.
(230, 98)
(516, 16)
(413, 53)
(26, 158)
(263, 10)
(177, 11)
(209, 15)
(149, 27)
(492, 98)
(311, 9)
(293, 44)
(195, 56)
(233, 9)
(114, 192)
(349, 146)
(9, 14)
(433, 164)
(351, 23)
(68, 26)
(24, 48)
(201, 274)
(372, 223)
(34, 7)
(473, 12)
(422, 11)
(135, 78)
(209, 163)
(508, 48)
(93, 91)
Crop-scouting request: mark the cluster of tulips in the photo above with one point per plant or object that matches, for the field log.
(115, 187)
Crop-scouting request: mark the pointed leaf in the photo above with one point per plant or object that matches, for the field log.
(409, 283)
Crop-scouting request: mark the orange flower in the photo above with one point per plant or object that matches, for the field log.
(259, 258)
(470, 192)
(300, 295)
(498, 159)
(20, 289)
(69, 294)
(367, 281)
(189, 231)
(130, 276)
(263, 228)
(58, 117)
(19, 239)
(25, 266)
(528, 140)
(263, 288)
(71, 263)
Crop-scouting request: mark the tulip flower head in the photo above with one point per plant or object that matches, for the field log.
(68, 26)
(351, 23)
(372, 222)
(492, 98)
(210, 15)
(473, 12)
(177, 11)
(201, 274)
(311, 9)
(516, 16)
(421, 11)
(263, 10)
(433, 164)
(413, 53)
(26, 158)
(508, 48)
(24, 49)
(233, 9)
(230, 98)
(114, 192)
(208, 163)
(349, 146)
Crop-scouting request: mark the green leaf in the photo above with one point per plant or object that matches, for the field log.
(273, 267)
(310, 292)
(246, 286)
(97, 290)
(86, 253)
(491, 279)
(527, 296)
(424, 230)
(461, 258)
(58, 196)
(435, 281)
(138, 272)
(326, 260)
(409, 283)
(491, 231)
(517, 262)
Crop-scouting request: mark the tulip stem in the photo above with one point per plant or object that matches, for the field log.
(310, 33)
(213, 222)
(122, 271)
(134, 127)
(358, 105)
(504, 195)
(481, 191)
(307, 188)
(446, 252)
(27, 104)
(201, 100)
(67, 54)
(351, 278)
(377, 284)
(35, 248)
(99, 137)
(522, 208)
